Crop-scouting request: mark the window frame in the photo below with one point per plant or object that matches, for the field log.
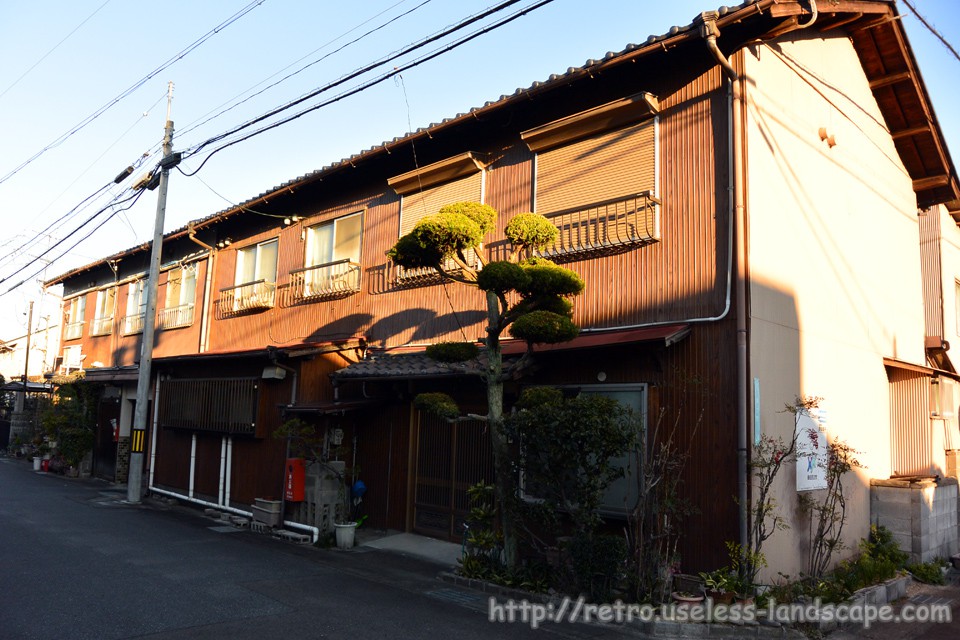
(136, 312)
(102, 316)
(74, 317)
(180, 314)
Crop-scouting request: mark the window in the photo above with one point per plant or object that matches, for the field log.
(72, 359)
(621, 496)
(332, 261)
(180, 298)
(256, 279)
(75, 309)
(103, 313)
(136, 307)
(597, 175)
(423, 192)
(225, 405)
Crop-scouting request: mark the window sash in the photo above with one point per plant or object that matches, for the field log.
(258, 262)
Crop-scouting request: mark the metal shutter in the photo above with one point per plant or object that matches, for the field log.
(417, 205)
(611, 165)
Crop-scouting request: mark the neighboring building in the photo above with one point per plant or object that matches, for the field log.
(44, 349)
(739, 250)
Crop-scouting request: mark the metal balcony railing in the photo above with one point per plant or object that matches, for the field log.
(102, 326)
(249, 296)
(133, 324)
(174, 317)
(331, 279)
(606, 226)
(73, 330)
(425, 275)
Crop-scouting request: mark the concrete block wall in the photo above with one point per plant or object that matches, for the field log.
(123, 459)
(921, 513)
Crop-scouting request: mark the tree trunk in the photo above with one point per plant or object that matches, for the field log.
(504, 481)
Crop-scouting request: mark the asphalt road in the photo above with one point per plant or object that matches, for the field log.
(77, 562)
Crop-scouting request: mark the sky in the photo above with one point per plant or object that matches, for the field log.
(84, 86)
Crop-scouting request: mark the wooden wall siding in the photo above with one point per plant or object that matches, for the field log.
(314, 380)
(172, 460)
(911, 429)
(383, 440)
(697, 395)
(931, 272)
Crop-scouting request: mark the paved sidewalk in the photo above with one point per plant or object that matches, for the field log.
(917, 594)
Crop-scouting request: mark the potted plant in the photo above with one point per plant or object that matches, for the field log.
(347, 520)
(719, 585)
(75, 443)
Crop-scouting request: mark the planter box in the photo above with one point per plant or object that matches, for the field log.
(271, 518)
(273, 506)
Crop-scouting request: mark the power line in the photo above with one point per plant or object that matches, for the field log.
(932, 29)
(192, 126)
(366, 85)
(134, 199)
(55, 47)
(139, 83)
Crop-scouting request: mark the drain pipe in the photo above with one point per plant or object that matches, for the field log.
(208, 282)
(709, 32)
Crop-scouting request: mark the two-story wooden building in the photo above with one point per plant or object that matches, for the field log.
(740, 196)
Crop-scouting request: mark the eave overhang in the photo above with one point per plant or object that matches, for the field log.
(878, 38)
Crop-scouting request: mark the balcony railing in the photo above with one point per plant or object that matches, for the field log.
(427, 275)
(133, 324)
(73, 330)
(249, 296)
(329, 280)
(606, 226)
(102, 326)
(174, 317)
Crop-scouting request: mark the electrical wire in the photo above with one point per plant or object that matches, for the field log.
(139, 83)
(932, 29)
(76, 209)
(366, 69)
(137, 195)
(55, 47)
(195, 125)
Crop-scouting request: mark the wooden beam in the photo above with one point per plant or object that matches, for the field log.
(912, 131)
(893, 78)
(931, 182)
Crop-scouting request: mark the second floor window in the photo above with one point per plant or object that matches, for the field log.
(597, 175)
(136, 307)
(75, 310)
(180, 300)
(332, 260)
(256, 263)
(103, 314)
(255, 279)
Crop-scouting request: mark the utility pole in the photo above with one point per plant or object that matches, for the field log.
(22, 400)
(141, 415)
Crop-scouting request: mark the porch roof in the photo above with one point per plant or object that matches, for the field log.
(663, 335)
(329, 408)
(402, 365)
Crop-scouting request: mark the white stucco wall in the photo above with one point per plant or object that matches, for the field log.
(834, 262)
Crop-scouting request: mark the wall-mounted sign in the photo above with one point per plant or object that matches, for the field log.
(811, 450)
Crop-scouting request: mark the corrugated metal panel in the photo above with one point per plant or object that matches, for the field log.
(931, 272)
(605, 167)
(911, 430)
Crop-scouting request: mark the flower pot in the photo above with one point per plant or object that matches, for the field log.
(686, 597)
(720, 597)
(345, 534)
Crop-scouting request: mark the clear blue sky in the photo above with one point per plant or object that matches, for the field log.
(63, 61)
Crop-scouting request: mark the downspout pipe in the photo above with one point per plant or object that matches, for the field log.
(709, 32)
(208, 282)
